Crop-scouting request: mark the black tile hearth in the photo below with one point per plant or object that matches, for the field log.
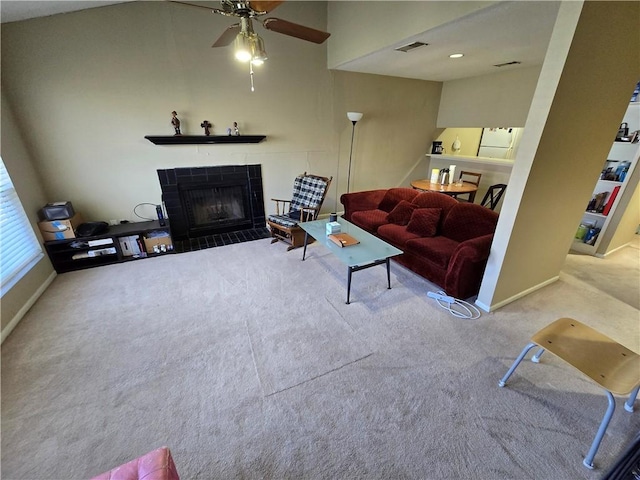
(218, 240)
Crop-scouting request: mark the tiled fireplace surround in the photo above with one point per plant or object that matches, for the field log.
(176, 183)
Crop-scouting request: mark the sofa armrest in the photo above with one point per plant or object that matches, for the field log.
(358, 201)
(473, 250)
(466, 267)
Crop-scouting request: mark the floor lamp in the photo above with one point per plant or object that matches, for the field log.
(354, 117)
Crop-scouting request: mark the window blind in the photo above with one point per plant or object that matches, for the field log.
(19, 247)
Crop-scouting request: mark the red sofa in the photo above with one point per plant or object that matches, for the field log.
(443, 240)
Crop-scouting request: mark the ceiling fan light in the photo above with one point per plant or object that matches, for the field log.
(242, 48)
(259, 55)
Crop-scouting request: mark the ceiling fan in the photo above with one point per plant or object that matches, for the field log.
(248, 45)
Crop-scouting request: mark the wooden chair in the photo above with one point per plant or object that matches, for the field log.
(493, 195)
(608, 364)
(469, 177)
(309, 192)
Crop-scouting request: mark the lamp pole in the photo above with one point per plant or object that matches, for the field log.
(354, 117)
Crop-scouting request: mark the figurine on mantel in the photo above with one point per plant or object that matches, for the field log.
(206, 125)
(175, 121)
(233, 130)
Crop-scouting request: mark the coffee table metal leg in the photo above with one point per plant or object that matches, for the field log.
(304, 251)
(388, 276)
(350, 271)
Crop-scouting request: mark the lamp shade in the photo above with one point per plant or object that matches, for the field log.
(354, 116)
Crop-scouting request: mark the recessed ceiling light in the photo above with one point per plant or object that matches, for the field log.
(456, 55)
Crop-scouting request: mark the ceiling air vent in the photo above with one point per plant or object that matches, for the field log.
(515, 62)
(411, 46)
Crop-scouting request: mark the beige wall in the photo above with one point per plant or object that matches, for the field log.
(26, 181)
(496, 100)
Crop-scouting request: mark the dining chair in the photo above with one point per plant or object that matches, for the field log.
(493, 195)
(469, 177)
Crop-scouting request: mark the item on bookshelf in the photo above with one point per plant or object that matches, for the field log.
(621, 171)
(612, 198)
(206, 125)
(175, 121)
(591, 236)
(597, 202)
(623, 131)
(581, 232)
(343, 239)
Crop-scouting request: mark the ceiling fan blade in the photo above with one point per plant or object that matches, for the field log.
(227, 36)
(295, 30)
(264, 6)
(192, 5)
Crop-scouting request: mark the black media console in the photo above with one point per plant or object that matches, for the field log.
(122, 243)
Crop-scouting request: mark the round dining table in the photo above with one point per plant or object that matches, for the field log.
(453, 189)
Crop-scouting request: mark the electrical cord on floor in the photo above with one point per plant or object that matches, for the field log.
(457, 308)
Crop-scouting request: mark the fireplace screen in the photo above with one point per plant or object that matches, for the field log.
(219, 206)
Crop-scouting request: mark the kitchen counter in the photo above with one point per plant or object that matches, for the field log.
(463, 159)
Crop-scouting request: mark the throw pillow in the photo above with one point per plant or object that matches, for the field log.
(424, 221)
(401, 214)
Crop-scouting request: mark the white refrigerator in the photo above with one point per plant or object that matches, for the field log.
(497, 142)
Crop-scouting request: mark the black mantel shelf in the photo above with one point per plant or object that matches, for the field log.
(203, 139)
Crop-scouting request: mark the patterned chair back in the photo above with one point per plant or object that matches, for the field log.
(308, 191)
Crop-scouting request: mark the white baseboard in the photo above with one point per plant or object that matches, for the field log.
(25, 308)
(524, 293)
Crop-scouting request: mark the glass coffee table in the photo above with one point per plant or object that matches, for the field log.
(371, 251)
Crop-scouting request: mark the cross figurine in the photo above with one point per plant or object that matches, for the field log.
(206, 125)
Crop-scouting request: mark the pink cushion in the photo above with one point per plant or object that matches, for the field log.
(155, 465)
(424, 221)
(401, 213)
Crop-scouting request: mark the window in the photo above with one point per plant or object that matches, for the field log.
(19, 247)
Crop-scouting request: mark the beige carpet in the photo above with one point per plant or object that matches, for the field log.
(247, 363)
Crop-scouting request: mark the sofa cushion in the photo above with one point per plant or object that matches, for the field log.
(401, 213)
(424, 221)
(395, 234)
(394, 196)
(369, 220)
(469, 220)
(437, 249)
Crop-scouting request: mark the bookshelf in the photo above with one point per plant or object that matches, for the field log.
(613, 182)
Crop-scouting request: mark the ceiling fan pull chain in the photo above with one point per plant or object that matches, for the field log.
(251, 75)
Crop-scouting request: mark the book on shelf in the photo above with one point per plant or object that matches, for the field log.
(343, 239)
(612, 198)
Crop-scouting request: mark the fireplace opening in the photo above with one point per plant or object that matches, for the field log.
(219, 209)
